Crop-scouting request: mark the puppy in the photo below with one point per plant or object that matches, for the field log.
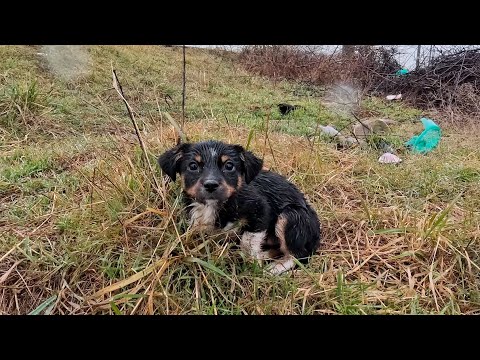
(226, 185)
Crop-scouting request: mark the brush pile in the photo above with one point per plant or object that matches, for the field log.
(281, 62)
(451, 80)
(448, 81)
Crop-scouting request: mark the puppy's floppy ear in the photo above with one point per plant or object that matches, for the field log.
(251, 163)
(170, 160)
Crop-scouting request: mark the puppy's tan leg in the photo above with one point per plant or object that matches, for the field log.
(286, 261)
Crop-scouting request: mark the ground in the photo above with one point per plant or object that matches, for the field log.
(87, 227)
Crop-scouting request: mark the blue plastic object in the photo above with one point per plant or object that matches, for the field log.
(402, 72)
(428, 139)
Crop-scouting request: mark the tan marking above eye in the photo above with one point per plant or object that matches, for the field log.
(198, 158)
(225, 158)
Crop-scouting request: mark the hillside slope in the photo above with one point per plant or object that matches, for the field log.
(85, 229)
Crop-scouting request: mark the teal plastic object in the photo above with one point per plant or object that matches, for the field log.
(402, 72)
(428, 139)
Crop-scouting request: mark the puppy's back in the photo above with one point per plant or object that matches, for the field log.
(279, 192)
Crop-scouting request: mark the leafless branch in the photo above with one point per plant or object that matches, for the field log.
(118, 88)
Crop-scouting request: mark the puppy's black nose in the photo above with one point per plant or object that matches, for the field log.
(210, 185)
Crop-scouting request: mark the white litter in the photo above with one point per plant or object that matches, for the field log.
(389, 158)
(394, 97)
(329, 130)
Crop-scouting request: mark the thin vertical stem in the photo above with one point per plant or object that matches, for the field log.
(183, 91)
(419, 47)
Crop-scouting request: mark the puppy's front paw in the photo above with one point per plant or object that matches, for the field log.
(280, 266)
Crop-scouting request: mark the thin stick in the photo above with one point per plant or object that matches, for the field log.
(360, 121)
(91, 193)
(266, 133)
(183, 91)
(118, 87)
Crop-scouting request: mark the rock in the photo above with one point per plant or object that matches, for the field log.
(329, 130)
(372, 126)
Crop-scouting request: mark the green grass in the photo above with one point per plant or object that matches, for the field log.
(84, 228)
(393, 110)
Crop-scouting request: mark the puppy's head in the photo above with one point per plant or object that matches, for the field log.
(210, 170)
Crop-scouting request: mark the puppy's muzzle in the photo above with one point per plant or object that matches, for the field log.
(211, 185)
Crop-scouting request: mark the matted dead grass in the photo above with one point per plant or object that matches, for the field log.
(85, 230)
(117, 244)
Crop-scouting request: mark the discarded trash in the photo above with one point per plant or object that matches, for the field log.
(383, 146)
(394, 97)
(329, 130)
(343, 141)
(389, 158)
(401, 72)
(286, 108)
(371, 126)
(428, 139)
(347, 141)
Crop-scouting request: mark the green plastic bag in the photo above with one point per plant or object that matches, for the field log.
(428, 139)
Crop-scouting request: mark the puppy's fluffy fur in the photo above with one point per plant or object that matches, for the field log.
(225, 185)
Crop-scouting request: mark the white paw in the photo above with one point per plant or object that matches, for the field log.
(280, 266)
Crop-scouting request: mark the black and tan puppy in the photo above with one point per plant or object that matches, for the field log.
(225, 185)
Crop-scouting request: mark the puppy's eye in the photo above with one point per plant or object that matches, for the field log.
(229, 166)
(193, 166)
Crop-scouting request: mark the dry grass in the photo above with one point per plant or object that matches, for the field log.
(84, 230)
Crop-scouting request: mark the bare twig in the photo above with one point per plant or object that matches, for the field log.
(183, 89)
(118, 88)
